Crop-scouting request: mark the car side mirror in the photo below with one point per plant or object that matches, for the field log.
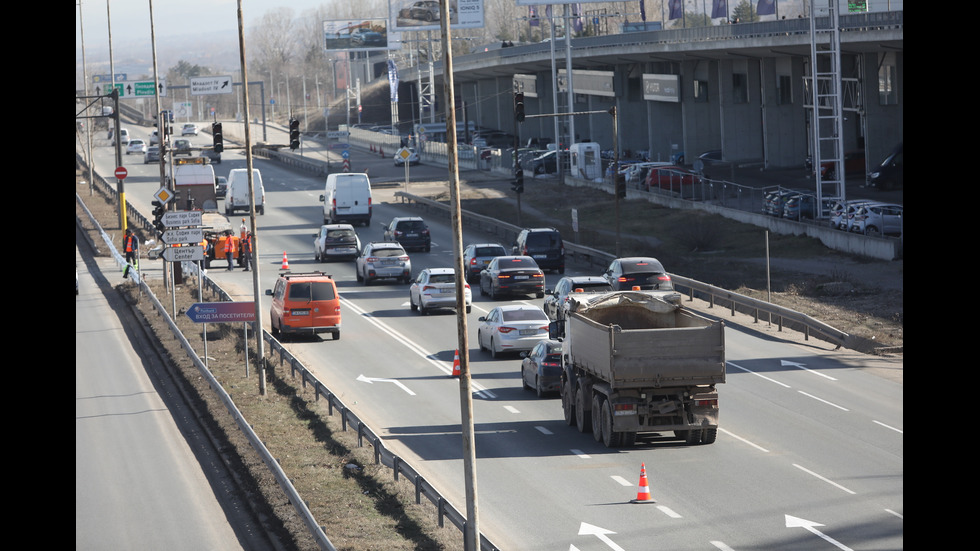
(323, 198)
(268, 292)
(481, 318)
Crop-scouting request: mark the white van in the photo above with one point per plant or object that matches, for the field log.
(237, 196)
(196, 184)
(347, 198)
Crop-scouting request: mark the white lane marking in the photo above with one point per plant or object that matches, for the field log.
(827, 480)
(543, 430)
(822, 400)
(758, 375)
(756, 446)
(899, 431)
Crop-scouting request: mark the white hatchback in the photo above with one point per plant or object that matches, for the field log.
(436, 288)
(878, 219)
(136, 145)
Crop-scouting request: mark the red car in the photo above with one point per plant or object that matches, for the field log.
(853, 164)
(670, 177)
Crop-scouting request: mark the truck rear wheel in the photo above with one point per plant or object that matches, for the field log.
(597, 418)
(567, 403)
(611, 438)
(583, 420)
(709, 436)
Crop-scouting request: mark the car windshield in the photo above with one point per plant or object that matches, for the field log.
(524, 315)
(388, 251)
(592, 287)
(311, 290)
(490, 251)
(518, 262)
(442, 278)
(543, 240)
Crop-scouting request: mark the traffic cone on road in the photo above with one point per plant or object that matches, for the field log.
(381, 151)
(285, 261)
(456, 364)
(643, 495)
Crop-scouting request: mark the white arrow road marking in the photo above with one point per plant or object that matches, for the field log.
(784, 363)
(794, 522)
(371, 380)
(587, 529)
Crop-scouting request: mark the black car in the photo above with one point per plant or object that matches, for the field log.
(477, 256)
(546, 163)
(215, 156)
(541, 367)
(568, 285)
(889, 173)
(544, 245)
(221, 187)
(648, 274)
(410, 232)
(512, 275)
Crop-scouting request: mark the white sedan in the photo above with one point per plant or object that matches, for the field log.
(436, 288)
(189, 129)
(412, 156)
(512, 328)
(136, 145)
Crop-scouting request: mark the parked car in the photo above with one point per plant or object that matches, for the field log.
(136, 145)
(382, 260)
(555, 299)
(335, 241)
(409, 231)
(844, 212)
(152, 155)
(541, 367)
(154, 137)
(670, 177)
(512, 275)
(123, 136)
(304, 304)
(476, 256)
(878, 219)
(800, 206)
(511, 328)
(436, 288)
(190, 129)
(546, 163)
(413, 157)
(648, 274)
(854, 163)
(888, 174)
(775, 200)
(544, 245)
(221, 186)
(182, 147)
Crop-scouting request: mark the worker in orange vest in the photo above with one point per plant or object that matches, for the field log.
(132, 247)
(229, 249)
(246, 244)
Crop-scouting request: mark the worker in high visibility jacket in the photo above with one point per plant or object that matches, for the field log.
(246, 244)
(131, 245)
(242, 231)
(229, 249)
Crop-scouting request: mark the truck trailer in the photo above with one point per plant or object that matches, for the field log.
(635, 363)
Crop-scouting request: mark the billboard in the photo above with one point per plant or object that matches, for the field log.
(424, 15)
(358, 34)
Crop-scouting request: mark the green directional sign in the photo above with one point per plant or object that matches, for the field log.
(140, 88)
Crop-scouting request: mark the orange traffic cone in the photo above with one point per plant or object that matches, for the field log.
(643, 495)
(285, 261)
(456, 364)
(381, 150)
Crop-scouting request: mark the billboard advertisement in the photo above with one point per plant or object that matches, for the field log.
(357, 34)
(424, 15)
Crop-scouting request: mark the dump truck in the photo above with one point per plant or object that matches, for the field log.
(633, 362)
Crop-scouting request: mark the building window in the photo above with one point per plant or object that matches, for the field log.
(784, 89)
(701, 91)
(740, 88)
(887, 75)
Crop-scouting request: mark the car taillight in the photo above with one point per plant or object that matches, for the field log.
(505, 329)
(371, 259)
(428, 288)
(503, 276)
(706, 402)
(403, 258)
(473, 262)
(425, 231)
(538, 275)
(664, 277)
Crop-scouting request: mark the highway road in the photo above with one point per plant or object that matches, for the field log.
(809, 453)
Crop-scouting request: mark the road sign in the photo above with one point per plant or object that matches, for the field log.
(182, 254)
(201, 86)
(121, 173)
(183, 236)
(163, 195)
(218, 312)
(141, 88)
(178, 218)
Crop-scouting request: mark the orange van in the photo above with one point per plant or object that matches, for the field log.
(304, 304)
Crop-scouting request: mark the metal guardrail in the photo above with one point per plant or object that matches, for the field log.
(382, 455)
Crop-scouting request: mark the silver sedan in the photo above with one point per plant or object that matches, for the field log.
(512, 328)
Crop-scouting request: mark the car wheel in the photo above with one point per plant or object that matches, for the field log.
(483, 290)
(539, 294)
(524, 380)
(493, 293)
(479, 341)
(411, 304)
(469, 308)
(357, 275)
(422, 309)
(336, 335)
(873, 231)
(493, 351)
(537, 388)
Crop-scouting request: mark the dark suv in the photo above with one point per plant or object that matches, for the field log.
(410, 232)
(544, 245)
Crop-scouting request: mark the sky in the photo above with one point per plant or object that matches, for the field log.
(131, 18)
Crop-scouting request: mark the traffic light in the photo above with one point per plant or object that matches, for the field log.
(519, 106)
(219, 144)
(158, 211)
(518, 184)
(293, 134)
